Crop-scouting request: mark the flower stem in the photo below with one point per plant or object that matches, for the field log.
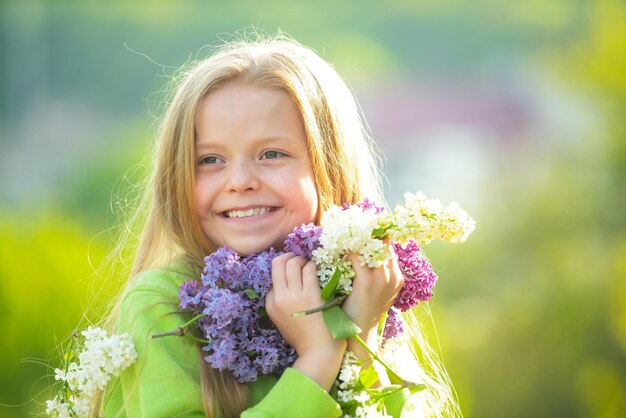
(180, 331)
(334, 302)
(393, 374)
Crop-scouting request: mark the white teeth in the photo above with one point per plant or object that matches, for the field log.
(246, 213)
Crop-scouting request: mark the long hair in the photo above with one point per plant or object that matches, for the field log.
(340, 150)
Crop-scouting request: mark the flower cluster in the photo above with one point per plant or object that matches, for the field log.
(101, 358)
(419, 278)
(348, 229)
(352, 394)
(239, 335)
(229, 303)
(360, 228)
(304, 240)
(423, 220)
(394, 324)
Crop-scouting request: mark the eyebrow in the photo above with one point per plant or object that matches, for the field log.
(259, 141)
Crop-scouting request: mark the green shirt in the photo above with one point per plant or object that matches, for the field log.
(165, 380)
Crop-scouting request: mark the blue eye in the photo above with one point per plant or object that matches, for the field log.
(268, 155)
(209, 160)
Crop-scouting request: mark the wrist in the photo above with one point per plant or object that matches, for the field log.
(370, 338)
(367, 359)
(322, 363)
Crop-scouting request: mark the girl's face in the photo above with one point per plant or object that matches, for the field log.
(254, 181)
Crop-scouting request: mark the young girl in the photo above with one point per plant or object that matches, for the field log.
(258, 139)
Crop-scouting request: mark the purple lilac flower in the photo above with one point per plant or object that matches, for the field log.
(394, 325)
(223, 354)
(304, 240)
(259, 271)
(190, 295)
(231, 296)
(366, 204)
(223, 264)
(224, 306)
(419, 278)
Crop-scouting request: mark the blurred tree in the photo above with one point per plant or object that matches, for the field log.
(538, 327)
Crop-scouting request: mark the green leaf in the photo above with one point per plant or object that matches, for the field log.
(251, 293)
(368, 376)
(394, 377)
(417, 387)
(328, 292)
(381, 323)
(338, 323)
(262, 311)
(383, 391)
(379, 232)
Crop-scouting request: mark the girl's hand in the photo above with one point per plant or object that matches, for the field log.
(373, 292)
(295, 288)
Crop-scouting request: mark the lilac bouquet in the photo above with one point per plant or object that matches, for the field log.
(230, 302)
(362, 228)
(419, 278)
(228, 306)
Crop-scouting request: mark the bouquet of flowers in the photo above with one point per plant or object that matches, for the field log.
(228, 305)
(101, 358)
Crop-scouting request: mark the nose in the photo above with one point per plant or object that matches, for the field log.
(242, 176)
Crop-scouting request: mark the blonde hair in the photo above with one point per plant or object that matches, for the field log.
(340, 151)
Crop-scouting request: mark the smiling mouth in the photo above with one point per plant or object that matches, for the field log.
(248, 212)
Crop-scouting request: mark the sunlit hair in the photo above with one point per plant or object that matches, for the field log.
(340, 151)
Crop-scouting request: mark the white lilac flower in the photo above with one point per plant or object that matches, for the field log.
(345, 395)
(349, 371)
(57, 408)
(348, 376)
(82, 406)
(456, 224)
(369, 411)
(423, 220)
(326, 271)
(417, 219)
(59, 374)
(346, 230)
(101, 358)
(374, 253)
(362, 397)
(351, 392)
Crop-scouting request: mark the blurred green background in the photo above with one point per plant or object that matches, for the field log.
(516, 110)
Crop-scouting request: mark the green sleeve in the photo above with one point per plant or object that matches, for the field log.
(295, 394)
(165, 380)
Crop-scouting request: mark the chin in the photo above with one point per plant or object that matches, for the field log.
(245, 250)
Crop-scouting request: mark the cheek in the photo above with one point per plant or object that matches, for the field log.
(309, 199)
(202, 196)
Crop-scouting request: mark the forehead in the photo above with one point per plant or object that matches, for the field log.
(238, 111)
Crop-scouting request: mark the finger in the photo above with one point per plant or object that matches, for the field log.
(365, 276)
(309, 277)
(279, 276)
(396, 276)
(269, 302)
(294, 273)
(357, 265)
